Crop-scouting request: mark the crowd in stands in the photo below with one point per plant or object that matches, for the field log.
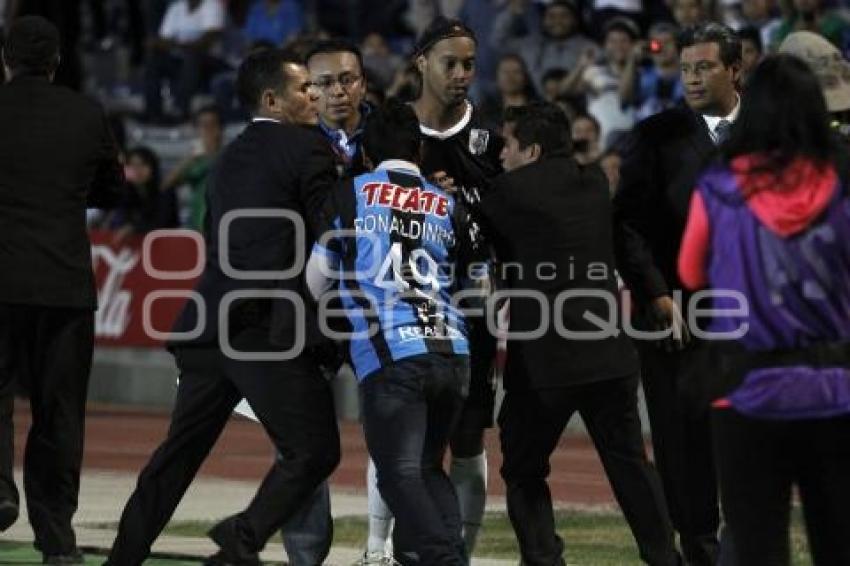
(166, 68)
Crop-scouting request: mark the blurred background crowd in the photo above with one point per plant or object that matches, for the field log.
(165, 69)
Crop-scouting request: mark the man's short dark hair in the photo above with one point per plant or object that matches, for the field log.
(373, 88)
(32, 46)
(335, 46)
(392, 132)
(260, 71)
(568, 4)
(542, 123)
(208, 109)
(623, 24)
(752, 34)
(663, 28)
(726, 39)
(590, 118)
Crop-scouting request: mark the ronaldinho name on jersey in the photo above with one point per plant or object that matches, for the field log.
(416, 205)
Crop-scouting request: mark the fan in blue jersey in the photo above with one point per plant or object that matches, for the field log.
(396, 256)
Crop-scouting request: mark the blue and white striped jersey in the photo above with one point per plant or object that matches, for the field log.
(394, 247)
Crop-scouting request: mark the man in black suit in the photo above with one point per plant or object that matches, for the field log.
(273, 167)
(666, 154)
(336, 67)
(57, 156)
(550, 219)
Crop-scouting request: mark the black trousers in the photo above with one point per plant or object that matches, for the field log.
(409, 411)
(50, 351)
(467, 440)
(758, 463)
(295, 406)
(683, 453)
(532, 422)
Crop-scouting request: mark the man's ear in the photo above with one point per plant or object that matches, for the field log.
(535, 151)
(363, 86)
(421, 63)
(736, 73)
(269, 102)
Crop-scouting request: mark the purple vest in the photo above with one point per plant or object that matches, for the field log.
(797, 290)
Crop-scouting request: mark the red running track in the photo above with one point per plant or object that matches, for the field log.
(122, 438)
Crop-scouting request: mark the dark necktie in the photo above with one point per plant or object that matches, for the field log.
(721, 131)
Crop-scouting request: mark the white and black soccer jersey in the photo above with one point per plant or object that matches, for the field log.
(469, 153)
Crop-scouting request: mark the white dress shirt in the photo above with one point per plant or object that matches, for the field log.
(713, 121)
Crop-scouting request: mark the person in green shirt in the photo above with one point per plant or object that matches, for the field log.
(195, 168)
(809, 15)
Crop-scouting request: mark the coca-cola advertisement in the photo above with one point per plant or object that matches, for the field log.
(142, 283)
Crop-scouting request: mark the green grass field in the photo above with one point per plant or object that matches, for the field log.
(591, 538)
(23, 553)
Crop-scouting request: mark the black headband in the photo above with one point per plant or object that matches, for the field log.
(441, 28)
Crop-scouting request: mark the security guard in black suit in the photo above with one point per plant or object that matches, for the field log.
(666, 154)
(57, 157)
(550, 220)
(274, 167)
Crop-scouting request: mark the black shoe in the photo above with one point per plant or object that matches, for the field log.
(73, 557)
(235, 545)
(8, 514)
(221, 559)
(701, 550)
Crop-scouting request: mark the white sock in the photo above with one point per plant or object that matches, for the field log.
(469, 476)
(380, 516)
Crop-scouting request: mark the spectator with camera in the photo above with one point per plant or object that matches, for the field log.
(603, 84)
(655, 84)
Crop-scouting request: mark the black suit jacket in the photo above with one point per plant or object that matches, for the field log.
(553, 219)
(57, 157)
(268, 166)
(664, 158)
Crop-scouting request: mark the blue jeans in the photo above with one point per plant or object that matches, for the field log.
(307, 536)
(409, 412)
